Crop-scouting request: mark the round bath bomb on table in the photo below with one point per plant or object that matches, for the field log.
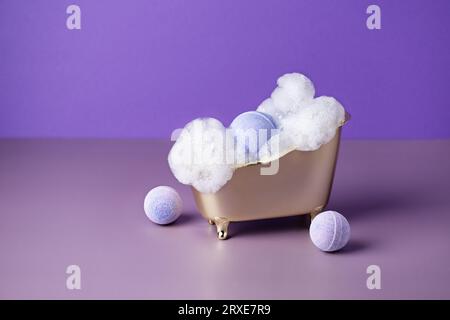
(163, 205)
(329, 231)
(252, 120)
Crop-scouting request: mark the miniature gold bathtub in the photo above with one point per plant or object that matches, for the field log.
(302, 185)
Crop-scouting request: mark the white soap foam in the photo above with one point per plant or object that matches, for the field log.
(293, 91)
(204, 155)
(314, 124)
(199, 156)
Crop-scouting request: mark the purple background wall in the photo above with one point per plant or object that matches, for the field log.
(143, 68)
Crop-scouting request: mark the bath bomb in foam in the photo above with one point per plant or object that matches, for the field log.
(163, 205)
(248, 135)
(329, 231)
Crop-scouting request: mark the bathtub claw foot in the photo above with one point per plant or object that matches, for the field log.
(211, 222)
(222, 227)
(221, 235)
(314, 213)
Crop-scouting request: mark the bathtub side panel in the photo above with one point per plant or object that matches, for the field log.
(303, 183)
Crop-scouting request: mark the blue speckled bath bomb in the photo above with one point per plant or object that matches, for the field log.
(329, 231)
(253, 120)
(163, 205)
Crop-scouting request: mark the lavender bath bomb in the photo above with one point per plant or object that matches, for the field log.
(329, 231)
(163, 205)
(246, 129)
